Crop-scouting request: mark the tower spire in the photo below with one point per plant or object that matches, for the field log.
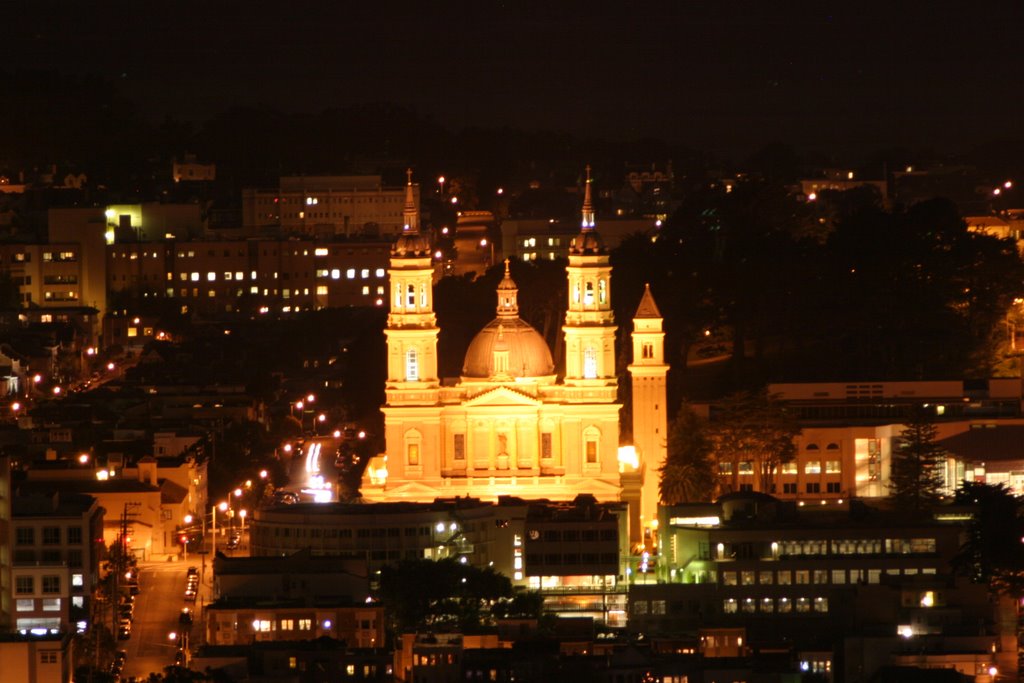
(508, 294)
(409, 213)
(588, 205)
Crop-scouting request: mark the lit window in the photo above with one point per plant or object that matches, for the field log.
(364, 273)
(412, 368)
(335, 274)
(320, 251)
(211, 277)
(832, 466)
(25, 605)
(194, 277)
(588, 293)
(589, 363)
(321, 290)
(77, 580)
(602, 291)
(812, 467)
(350, 273)
(590, 448)
(366, 290)
(379, 272)
(227, 275)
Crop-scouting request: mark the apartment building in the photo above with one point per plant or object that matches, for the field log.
(328, 206)
(58, 547)
(573, 551)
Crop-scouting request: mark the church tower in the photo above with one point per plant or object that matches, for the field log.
(650, 427)
(412, 326)
(589, 322)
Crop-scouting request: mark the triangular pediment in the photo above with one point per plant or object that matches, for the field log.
(407, 490)
(501, 396)
(602, 490)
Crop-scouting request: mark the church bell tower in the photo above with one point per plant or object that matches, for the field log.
(589, 322)
(650, 427)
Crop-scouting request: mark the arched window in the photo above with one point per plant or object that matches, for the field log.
(411, 296)
(589, 363)
(832, 447)
(423, 296)
(588, 294)
(602, 291)
(413, 443)
(576, 293)
(591, 446)
(398, 296)
(412, 366)
(812, 446)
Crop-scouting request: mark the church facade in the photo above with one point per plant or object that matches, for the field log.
(509, 425)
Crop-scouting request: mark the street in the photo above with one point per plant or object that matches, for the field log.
(158, 607)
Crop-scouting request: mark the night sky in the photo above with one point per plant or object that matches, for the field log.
(718, 76)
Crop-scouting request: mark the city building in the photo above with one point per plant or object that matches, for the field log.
(327, 206)
(43, 657)
(550, 239)
(190, 170)
(7, 614)
(57, 552)
(509, 425)
(811, 578)
(574, 552)
(848, 431)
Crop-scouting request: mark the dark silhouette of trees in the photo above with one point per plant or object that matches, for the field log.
(753, 427)
(688, 474)
(428, 594)
(915, 475)
(992, 553)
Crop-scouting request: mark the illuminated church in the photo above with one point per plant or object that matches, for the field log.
(509, 425)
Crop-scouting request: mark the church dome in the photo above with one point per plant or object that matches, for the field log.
(411, 243)
(507, 347)
(587, 242)
(508, 338)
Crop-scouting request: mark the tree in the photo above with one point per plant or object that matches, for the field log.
(992, 553)
(754, 427)
(428, 594)
(688, 473)
(916, 473)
